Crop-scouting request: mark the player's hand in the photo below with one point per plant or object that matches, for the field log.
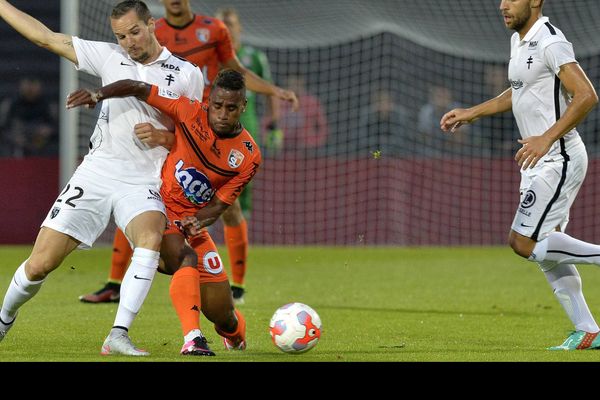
(151, 136)
(273, 137)
(290, 96)
(532, 150)
(191, 225)
(454, 119)
(82, 97)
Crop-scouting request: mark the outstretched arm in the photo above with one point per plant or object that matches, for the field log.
(259, 85)
(453, 119)
(584, 99)
(38, 33)
(122, 88)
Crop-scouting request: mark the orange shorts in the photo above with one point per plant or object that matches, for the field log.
(210, 264)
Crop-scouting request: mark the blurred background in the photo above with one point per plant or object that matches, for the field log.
(364, 161)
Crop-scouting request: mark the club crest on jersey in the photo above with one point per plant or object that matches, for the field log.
(203, 34)
(195, 185)
(235, 158)
(54, 212)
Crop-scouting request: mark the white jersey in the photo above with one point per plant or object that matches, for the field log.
(115, 151)
(538, 98)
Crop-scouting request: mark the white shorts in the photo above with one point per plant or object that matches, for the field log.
(548, 191)
(84, 207)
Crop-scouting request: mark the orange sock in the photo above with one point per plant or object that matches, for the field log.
(185, 296)
(239, 334)
(121, 255)
(236, 238)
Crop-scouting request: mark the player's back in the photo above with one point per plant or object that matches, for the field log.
(205, 41)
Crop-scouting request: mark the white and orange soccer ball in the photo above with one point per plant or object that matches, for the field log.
(295, 328)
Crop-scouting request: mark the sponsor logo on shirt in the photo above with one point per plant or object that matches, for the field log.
(235, 158)
(195, 185)
(533, 44)
(162, 92)
(249, 146)
(518, 84)
(170, 67)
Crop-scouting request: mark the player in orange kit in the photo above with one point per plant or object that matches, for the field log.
(206, 42)
(211, 160)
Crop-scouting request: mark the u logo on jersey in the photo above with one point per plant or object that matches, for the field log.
(212, 263)
(195, 185)
(235, 158)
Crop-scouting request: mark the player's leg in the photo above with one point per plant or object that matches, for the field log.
(236, 239)
(181, 261)
(121, 256)
(78, 216)
(50, 249)
(218, 307)
(548, 193)
(217, 302)
(143, 219)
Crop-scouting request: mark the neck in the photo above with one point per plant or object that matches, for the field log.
(180, 20)
(534, 17)
(236, 44)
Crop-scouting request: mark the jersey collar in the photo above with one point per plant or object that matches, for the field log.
(534, 29)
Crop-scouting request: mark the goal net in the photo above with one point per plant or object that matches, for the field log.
(364, 162)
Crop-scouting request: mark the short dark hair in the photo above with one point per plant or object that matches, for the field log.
(230, 79)
(141, 9)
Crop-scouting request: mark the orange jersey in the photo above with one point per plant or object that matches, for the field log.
(200, 164)
(205, 41)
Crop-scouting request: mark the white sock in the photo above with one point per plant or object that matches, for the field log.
(136, 285)
(566, 282)
(564, 249)
(19, 292)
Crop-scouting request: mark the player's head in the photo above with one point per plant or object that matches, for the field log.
(230, 17)
(519, 15)
(133, 26)
(176, 8)
(226, 102)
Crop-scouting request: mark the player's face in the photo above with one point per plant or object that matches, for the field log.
(134, 36)
(176, 7)
(224, 110)
(516, 13)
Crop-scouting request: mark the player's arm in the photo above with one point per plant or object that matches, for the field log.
(259, 85)
(38, 33)
(584, 98)
(122, 88)
(453, 119)
(204, 217)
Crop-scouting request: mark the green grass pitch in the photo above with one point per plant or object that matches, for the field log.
(376, 304)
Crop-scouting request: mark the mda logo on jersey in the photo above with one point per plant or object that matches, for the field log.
(235, 158)
(195, 185)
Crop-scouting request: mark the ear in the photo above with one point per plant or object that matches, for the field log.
(536, 3)
(151, 25)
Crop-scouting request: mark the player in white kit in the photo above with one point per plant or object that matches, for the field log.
(120, 174)
(549, 95)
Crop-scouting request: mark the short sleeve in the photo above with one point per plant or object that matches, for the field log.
(92, 55)
(557, 53)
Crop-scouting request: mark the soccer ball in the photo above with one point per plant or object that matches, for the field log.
(295, 328)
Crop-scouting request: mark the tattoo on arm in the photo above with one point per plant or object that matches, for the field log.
(68, 43)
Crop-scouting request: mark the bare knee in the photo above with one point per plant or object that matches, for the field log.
(37, 268)
(521, 245)
(233, 215)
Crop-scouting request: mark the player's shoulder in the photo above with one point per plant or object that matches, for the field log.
(209, 22)
(161, 23)
(249, 144)
(179, 63)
